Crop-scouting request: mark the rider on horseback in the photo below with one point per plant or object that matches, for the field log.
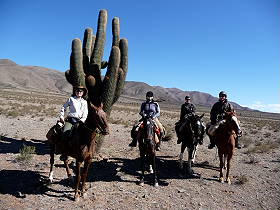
(78, 110)
(187, 111)
(216, 114)
(149, 108)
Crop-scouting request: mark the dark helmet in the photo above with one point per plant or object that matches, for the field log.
(149, 94)
(222, 93)
(187, 98)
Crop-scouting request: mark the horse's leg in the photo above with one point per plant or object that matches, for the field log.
(87, 163)
(150, 163)
(189, 165)
(142, 166)
(66, 164)
(181, 155)
(193, 154)
(52, 151)
(229, 157)
(78, 180)
(225, 161)
(154, 168)
(221, 157)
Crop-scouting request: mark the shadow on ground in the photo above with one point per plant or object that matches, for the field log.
(12, 145)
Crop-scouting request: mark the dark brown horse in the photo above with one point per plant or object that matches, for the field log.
(225, 137)
(147, 147)
(192, 134)
(81, 146)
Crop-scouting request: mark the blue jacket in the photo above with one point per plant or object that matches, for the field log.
(150, 107)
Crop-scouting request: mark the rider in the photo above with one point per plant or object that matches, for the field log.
(150, 107)
(218, 110)
(187, 110)
(78, 110)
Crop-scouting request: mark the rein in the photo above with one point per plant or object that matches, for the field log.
(92, 130)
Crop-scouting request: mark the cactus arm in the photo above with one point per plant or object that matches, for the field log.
(116, 31)
(110, 79)
(87, 45)
(76, 64)
(123, 69)
(99, 44)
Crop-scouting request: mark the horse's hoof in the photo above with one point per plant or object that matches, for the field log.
(156, 184)
(76, 198)
(228, 181)
(141, 183)
(221, 179)
(84, 195)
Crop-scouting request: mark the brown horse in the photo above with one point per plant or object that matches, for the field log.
(147, 147)
(81, 146)
(225, 137)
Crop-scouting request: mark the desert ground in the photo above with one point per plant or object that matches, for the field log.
(25, 118)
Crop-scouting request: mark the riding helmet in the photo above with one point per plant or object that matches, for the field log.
(149, 94)
(187, 98)
(222, 93)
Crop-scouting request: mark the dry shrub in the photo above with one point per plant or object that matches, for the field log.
(252, 160)
(262, 147)
(242, 179)
(26, 153)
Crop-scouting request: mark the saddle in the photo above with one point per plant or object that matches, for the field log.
(54, 133)
(137, 128)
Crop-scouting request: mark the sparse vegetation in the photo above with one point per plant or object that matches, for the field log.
(242, 179)
(262, 147)
(26, 153)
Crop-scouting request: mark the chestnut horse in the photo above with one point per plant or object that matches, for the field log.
(80, 146)
(225, 137)
(192, 134)
(147, 148)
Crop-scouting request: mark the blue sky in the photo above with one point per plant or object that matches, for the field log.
(193, 45)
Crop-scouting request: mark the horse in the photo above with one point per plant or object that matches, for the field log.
(147, 148)
(81, 146)
(225, 137)
(192, 133)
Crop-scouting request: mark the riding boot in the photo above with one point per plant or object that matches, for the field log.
(237, 145)
(212, 143)
(133, 143)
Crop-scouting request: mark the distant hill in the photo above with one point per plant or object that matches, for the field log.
(50, 80)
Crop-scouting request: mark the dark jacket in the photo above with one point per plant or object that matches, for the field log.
(186, 108)
(218, 108)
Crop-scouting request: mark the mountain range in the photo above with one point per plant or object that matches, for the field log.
(43, 79)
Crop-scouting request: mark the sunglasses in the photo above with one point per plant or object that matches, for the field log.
(79, 90)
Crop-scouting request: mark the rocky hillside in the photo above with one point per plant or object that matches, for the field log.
(49, 80)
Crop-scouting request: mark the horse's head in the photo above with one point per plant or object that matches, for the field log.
(233, 122)
(148, 128)
(97, 118)
(197, 125)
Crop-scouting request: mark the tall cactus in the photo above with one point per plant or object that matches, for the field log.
(86, 62)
